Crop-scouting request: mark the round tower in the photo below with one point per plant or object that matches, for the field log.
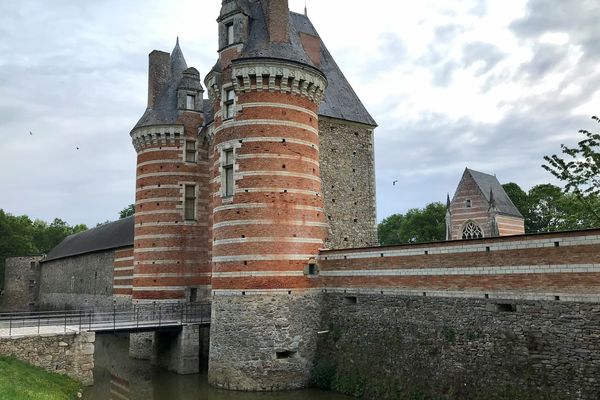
(267, 207)
(170, 242)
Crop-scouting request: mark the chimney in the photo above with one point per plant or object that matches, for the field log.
(159, 67)
(277, 17)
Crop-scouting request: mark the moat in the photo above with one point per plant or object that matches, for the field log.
(117, 376)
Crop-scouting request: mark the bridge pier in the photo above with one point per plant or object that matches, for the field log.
(178, 351)
(140, 345)
(182, 351)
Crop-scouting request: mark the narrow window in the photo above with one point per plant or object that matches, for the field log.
(230, 38)
(193, 295)
(228, 104)
(190, 202)
(468, 203)
(228, 172)
(190, 151)
(190, 102)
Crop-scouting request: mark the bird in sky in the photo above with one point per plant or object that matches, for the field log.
(77, 147)
(30, 133)
(394, 183)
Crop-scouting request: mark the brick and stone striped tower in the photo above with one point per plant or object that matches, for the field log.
(170, 242)
(267, 206)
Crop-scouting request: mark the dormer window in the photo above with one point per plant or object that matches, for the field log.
(229, 30)
(228, 104)
(190, 102)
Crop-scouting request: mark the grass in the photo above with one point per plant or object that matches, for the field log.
(21, 381)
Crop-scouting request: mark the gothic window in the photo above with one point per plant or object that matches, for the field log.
(228, 172)
(190, 202)
(471, 231)
(228, 104)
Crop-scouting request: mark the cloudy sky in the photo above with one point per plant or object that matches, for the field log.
(489, 84)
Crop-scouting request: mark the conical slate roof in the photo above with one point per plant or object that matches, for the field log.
(165, 111)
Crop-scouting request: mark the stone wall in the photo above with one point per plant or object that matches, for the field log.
(407, 347)
(263, 342)
(21, 283)
(79, 282)
(68, 354)
(348, 176)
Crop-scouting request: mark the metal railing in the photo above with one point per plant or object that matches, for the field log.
(136, 317)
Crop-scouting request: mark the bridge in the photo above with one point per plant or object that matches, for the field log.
(137, 318)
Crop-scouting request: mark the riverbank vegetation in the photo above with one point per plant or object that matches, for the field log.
(21, 381)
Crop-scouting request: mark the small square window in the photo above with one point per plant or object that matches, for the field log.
(190, 151)
(228, 104)
(468, 203)
(190, 102)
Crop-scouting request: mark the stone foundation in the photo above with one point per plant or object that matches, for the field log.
(68, 354)
(392, 346)
(263, 342)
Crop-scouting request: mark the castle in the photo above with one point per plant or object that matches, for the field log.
(261, 200)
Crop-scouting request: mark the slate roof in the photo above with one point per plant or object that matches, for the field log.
(105, 237)
(165, 111)
(340, 100)
(487, 183)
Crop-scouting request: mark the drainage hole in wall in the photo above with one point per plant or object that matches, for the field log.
(281, 355)
(350, 300)
(506, 307)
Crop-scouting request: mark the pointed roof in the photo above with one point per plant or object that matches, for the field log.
(178, 64)
(165, 111)
(493, 192)
(340, 100)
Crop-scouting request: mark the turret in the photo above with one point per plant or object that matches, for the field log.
(267, 204)
(170, 239)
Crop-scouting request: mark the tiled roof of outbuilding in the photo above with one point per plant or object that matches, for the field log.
(104, 237)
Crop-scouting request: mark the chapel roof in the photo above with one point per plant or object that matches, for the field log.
(490, 186)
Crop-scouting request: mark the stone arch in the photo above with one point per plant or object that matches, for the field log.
(470, 230)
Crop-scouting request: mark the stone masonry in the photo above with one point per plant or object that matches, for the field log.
(267, 341)
(21, 287)
(68, 354)
(390, 346)
(348, 174)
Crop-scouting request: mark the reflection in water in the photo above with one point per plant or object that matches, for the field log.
(118, 377)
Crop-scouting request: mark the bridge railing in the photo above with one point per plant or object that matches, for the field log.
(137, 317)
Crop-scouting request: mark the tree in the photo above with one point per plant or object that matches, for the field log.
(580, 169)
(416, 226)
(546, 208)
(127, 211)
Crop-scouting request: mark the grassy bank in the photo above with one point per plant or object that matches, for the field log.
(21, 381)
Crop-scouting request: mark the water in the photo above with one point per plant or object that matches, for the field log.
(118, 377)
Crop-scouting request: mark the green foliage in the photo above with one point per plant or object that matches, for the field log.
(449, 334)
(580, 169)
(546, 208)
(127, 211)
(322, 374)
(416, 226)
(21, 381)
(20, 237)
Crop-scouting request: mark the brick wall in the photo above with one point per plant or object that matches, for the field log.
(478, 212)
(562, 265)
